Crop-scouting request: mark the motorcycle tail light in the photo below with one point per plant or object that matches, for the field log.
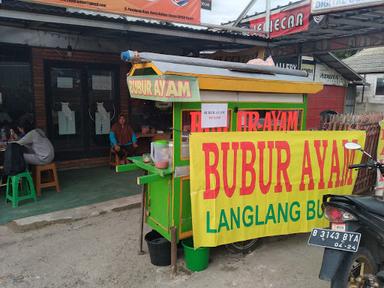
(337, 215)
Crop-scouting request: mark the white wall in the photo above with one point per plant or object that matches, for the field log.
(371, 101)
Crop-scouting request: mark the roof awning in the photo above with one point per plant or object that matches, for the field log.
(133, 30)
(338, 65)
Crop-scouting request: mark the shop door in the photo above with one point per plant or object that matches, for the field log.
(82, 103)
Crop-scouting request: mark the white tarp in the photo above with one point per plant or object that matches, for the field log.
(102, 120)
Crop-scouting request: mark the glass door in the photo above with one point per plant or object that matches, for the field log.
(67, 117)
(82, 103)
(101, 106)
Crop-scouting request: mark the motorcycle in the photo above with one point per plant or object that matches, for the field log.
(354, 246)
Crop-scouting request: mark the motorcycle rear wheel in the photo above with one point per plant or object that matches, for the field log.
(244, 247)
(359, 265)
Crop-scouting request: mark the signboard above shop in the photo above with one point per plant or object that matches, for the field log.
(283, 21)
(182, 11)
(206, 4)
(328, 76)
(330, 6)
(317, 72)
(287, 62)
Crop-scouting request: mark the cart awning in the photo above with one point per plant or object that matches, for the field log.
(220, 79)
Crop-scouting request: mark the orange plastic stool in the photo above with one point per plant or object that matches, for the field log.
(113, 158)
(52, 181)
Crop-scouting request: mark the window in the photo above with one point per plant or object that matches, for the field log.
(151, 114)
(380, 86)
(16, 97)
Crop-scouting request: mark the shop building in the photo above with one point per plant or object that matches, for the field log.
(338, 79)
(63, 66)
(369, 63)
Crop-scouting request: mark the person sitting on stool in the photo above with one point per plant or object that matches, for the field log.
(38, 148)
(123, 139)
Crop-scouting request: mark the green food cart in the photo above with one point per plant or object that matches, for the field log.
(256, 97)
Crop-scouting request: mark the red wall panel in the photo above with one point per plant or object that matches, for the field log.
(330, 98)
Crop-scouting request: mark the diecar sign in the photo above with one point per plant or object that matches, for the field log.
(248, 185)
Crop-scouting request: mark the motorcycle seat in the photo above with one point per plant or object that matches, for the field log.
(369, 203)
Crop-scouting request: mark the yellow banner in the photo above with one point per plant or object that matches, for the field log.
(380, 144)
(247, 185)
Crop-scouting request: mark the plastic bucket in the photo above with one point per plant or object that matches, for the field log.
(159, 249)
(195, 259)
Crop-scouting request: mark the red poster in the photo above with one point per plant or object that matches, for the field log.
(284, 22)
(183, 11)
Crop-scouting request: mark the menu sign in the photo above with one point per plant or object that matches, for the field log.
(206, 4)
(214, 115)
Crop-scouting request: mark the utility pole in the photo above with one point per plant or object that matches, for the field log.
(242, 14)
(267, 17)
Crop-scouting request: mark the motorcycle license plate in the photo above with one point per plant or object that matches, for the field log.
(346, 241)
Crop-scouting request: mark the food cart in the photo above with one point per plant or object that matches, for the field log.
(256, 97)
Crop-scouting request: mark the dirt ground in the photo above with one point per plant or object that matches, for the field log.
(102, 252)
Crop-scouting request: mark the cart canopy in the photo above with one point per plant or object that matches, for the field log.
(185, 82)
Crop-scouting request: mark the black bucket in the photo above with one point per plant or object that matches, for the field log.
(159, 249)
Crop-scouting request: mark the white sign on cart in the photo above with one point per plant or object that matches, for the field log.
(214, 115)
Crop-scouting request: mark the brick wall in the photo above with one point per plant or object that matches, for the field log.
(330, 98)
(82, 163)
(39, 55)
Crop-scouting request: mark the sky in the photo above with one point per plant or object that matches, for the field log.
(227, 10)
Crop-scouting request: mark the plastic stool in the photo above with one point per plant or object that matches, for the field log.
(52, 182)
(20, 187)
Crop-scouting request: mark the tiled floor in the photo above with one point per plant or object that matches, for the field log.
(78, 188)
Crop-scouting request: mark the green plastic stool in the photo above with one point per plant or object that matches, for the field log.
(19, 188)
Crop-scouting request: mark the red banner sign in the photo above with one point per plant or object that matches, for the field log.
(183, 11)
(284, 22)
(263, 120)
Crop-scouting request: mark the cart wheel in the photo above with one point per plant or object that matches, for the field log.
(244, 247)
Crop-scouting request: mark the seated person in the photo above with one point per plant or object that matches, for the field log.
(38, 148)
(123, 139)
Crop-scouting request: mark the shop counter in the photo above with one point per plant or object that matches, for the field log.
(157, 188)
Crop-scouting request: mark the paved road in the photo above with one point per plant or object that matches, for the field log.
(102, 252)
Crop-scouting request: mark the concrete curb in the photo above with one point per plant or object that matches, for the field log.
(74, 214)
